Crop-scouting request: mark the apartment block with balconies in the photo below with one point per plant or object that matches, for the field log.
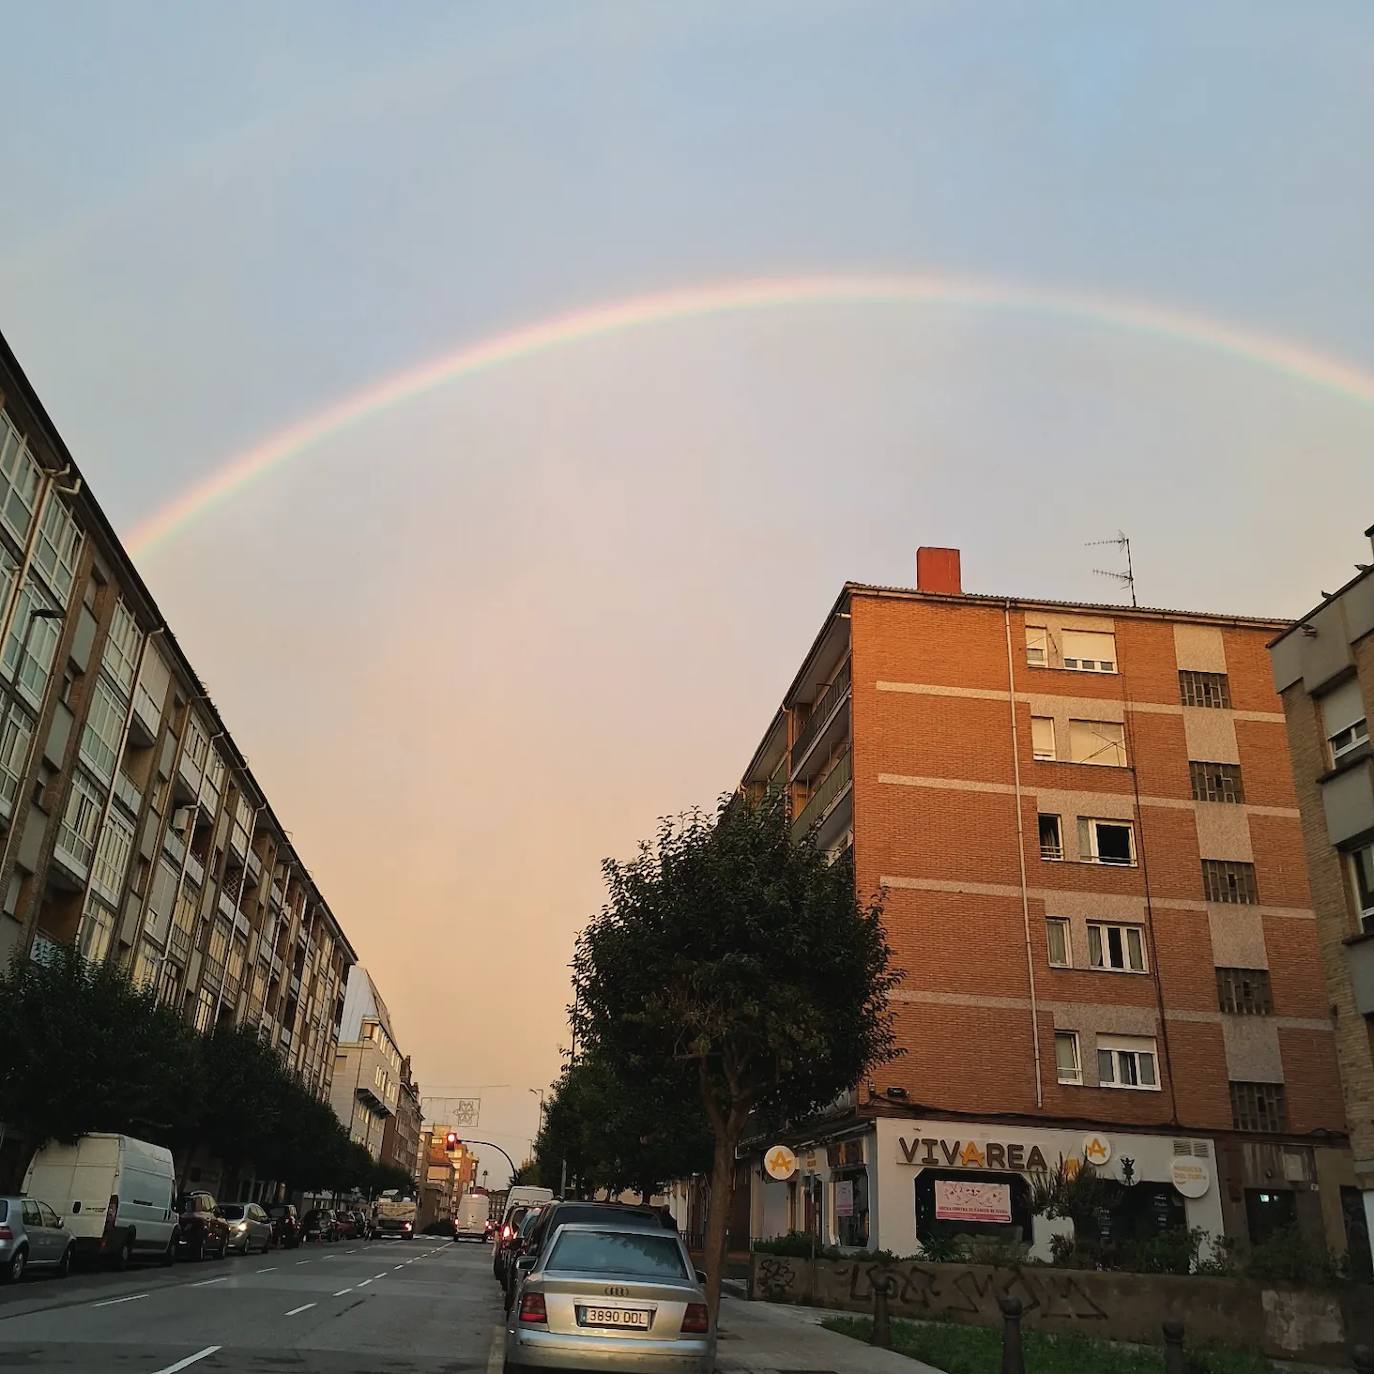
(370, 1072)
(1082, 823)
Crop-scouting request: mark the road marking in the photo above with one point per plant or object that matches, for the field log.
(302, 1261)
(364, 1283)
(190, 1359)
(304, 1307)
(342, 1291)
(271, 1269)
(382, 1275)
(205, 1283)
(395, 1267)
(350, 1252)
(110, 1302)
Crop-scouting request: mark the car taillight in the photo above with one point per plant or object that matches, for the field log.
(112, 1210)
(532, 1308)
(6, 1233)
(696, 1319)
(506, 1233)
(405, 1226)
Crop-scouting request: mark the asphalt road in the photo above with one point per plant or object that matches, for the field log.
(424, 1306)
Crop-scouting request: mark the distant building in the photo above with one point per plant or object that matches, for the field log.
(368, 1065)
(401, 1137)
(1324, 671)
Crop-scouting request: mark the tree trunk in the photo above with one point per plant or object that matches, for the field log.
(718, 1212)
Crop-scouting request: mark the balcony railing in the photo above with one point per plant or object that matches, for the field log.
(831, 786)
(148, 712)
(74, 850)
(127, 794)
(821, 712)
(174, 845)
(195, 870)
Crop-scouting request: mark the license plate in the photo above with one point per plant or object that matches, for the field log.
(613, 1316)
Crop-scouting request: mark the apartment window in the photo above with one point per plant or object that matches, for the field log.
(1244, 991)
(205, 1010)
(1090, 651)
(1216, 782)
(1127, 1061)
(1116, 947)
(1042, 737)
(101, 735)
(1051, 840)
(1058, 942)
(121, 647)
(1362, 874)
(55, 552)
(1343, 719)
(160, 900)
(112, 857)
(1204, 689)
(1037, 645)
(77, 831)
(1097, 741)
(1257, 1106)
(14, 750)
(1224, 880)
(1105, 841)
(32, 674)
(146, 964)
(197, 743)
(1068, 1066)
(96, 930)
(20, 475)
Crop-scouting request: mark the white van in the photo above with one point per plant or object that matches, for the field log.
(114, 1193)
(525, 1195)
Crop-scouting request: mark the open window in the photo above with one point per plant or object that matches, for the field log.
(1051, 837)
(1127, 1061)
(1116, 947)
(1106, 841)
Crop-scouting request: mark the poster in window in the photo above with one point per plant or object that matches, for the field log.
(960, 1201)
(844, 1198)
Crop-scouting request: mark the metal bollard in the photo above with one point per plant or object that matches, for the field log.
(882, 1328)
(1173, 1348)
(1013, 1361)
(1363, 1356)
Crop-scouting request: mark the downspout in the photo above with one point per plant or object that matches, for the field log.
(1021, 856)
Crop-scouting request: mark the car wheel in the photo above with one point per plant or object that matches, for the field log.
(64, 1265)
(121, 1257)
(14, 1270)
(169, 1255)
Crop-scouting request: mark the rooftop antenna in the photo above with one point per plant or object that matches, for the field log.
(1127, 578)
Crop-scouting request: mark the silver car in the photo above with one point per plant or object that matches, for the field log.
(31, 1233)
(610, 1296)
(250, 1228)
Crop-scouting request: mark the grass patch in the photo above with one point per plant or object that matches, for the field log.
(978, 1350)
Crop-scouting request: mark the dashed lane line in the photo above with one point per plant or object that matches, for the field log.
(271, 1269)
(342, 1291)
(302, 1261)
(110, 1302)
(205, 1283)
(189, 1360)
(304, 1307)
(382, 1275)
(364, 1283)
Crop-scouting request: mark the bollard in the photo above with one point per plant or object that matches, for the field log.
(882, 1328)
(1013, 1361)
(1173, 1348)
(1363, 1356)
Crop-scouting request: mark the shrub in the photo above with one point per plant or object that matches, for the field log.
(797, 1245)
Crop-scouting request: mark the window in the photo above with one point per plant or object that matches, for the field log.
(1090, 651)
(1058, 941)
(96, 931)
(1116, 947)
(1066, 1061)
(1226, 881)
(639, 1254)
(14, 750)
(1037, 645)
(160, 900)
(1204, 689)
(19, 479)
(59, 542)
(1105, 841)
(41, 640)
(1097, 741)
(121, 647)
(197, 743)
(1216, 782)
(1051, 841)
(1127, 1061)
(112, 857)
(77, 831)
(104, 726)
(1257, 1106)
(1042, 737)
(205, 1010)
(1244, 991)
(146, 965)
(1362, 873)
(1343, 719)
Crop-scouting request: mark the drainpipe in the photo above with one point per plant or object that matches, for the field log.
(1021, 856)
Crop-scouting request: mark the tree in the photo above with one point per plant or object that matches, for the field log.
(729, 950)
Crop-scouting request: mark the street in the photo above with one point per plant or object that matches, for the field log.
(384, 1305)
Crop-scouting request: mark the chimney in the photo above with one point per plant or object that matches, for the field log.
(937, 570)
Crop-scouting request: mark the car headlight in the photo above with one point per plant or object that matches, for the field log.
(242, 1226)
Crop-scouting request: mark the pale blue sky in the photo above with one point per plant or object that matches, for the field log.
(539, 607)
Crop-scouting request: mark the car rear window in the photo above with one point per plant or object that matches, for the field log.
(232, 1211)
(4, 1210)
(643, 1254)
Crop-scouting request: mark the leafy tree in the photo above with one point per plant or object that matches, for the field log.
(730, 951)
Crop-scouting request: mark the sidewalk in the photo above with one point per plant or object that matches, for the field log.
(774, 1338)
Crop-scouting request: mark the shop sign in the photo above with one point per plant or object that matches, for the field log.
(1190, 1176)
(1097, 1150)
(841, 1152)
(969, 1154)
(956, 1200)
(844, 1198)
(780, 1162)
(810, 1161)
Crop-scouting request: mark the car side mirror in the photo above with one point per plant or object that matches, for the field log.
(701, 1276)
(524, 1264)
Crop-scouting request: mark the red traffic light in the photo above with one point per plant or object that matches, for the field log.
(451, 1140)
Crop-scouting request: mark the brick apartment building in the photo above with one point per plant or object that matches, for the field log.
(1324, 671)
(1084, 823)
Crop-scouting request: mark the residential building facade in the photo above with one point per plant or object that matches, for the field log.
(368, 1065)
(1082, 822)
(401, 1139)
(1324, 672)
(132, 824)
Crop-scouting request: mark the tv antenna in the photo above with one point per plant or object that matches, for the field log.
(1125, 579)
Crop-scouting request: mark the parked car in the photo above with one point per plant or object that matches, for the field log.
(31, 1233)
(505, 1238)
(612, 1297)
(345, 1228)
(201, 1230)
(286, 1225)
(114, 1194)
(250, 1228)
(319, 1225)
(518, 1246)
(363, 1225)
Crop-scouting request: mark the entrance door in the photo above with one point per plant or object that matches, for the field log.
(1268, 1213)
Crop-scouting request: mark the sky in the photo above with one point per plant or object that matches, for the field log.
(479, 639)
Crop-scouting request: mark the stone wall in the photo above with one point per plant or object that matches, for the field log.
(1288, 1323)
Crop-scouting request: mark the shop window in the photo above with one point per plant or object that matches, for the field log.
(982, 1203)
(849, 1191)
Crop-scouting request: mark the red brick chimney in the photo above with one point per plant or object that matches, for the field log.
(937, 570)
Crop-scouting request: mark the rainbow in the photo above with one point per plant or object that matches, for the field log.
(240, 471)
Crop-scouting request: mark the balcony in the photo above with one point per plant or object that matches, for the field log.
(825, 799)
(254, 869)
(72, 853)
(147, 717)
(226, 905)
(195, 870)
(127, 794)
(824, 713)
(276, 895)
(175, 846)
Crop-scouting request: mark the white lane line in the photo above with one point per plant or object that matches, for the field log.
(382, 1275)
(342, 1291)
(395, 1267)
(190, 1359)
(350, 1252)
(302, 1261)
(205, 1283)
(271, 1269)
(110, 1302)
(364, 1283)
(304, 1307)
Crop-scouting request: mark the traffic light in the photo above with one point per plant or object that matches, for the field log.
(451, 1140)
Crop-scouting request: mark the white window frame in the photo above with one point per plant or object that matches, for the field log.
(1133, 1048)
(1038, 751)
(122, 643)
(1107, 751)
(103, 730)
(97, 931)
(1077, 663)
(112, 854)
(57, 548)
(81, 819)
(1362, 881)
(1123, 930)
(14, 750)
(1072, 1077)
(1063, 924)
(32, 674)
(20, 477)
(1037, 646)
(1088, 841)
(1051, 853)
